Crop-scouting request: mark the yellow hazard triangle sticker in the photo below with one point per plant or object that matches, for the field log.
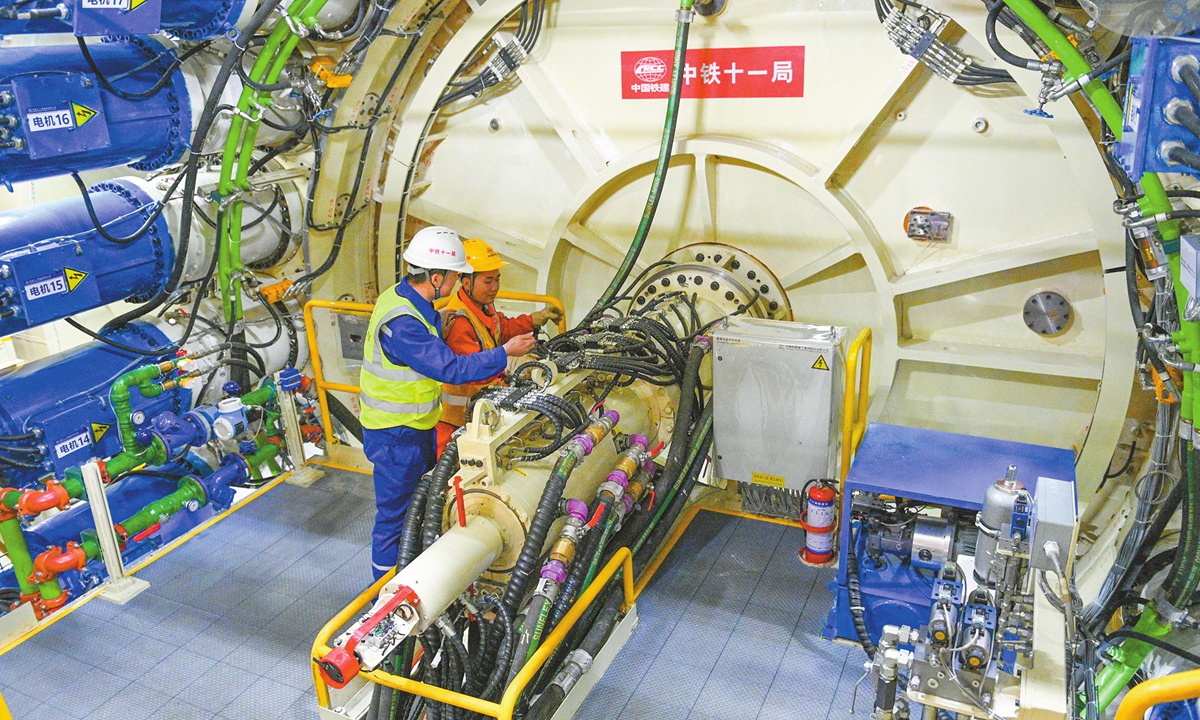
(820, 364)
(135, 4)
(82, 113)
(98, 430)
(74, 277)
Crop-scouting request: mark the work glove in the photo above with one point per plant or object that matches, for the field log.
(545, 315)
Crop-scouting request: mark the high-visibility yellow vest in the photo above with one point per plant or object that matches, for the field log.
(393, 395)
(456, 397)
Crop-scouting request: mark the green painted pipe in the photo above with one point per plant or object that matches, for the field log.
(119, 395)
(260, 397)
(189, 490)
(1127, 658)
(18, 553)
(1072, 60)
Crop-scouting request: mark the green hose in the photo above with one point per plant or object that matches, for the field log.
(1127, 658)
(599, 554)
(664, 157)
(239, 147)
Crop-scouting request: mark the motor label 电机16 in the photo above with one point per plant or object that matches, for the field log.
(49, 120)
(78, 441)
(45, 287)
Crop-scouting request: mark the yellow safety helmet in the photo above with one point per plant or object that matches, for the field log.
(481, 256)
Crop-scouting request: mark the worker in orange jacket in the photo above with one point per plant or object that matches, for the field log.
(472, 324)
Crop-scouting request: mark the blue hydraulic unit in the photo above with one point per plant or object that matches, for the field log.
(1162, 127)
(54, 263)
(909, 512)
(185, 19)
(55, 414)
(56, 117)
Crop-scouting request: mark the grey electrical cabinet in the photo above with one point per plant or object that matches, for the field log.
(777, 398)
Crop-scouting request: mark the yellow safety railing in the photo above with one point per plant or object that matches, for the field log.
(323, 386)
(1180, 686)
(858, 390)
(621, 562)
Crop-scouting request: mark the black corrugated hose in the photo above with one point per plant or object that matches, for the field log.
(550, 699)
(856, 606)
(435, 503)
(413, 522)
(678, 501)
(539, 527)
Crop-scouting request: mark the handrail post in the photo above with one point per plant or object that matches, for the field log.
(856, 399)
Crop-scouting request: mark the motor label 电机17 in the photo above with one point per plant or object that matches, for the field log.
(106, 4)
(45, 287)
(78, 441)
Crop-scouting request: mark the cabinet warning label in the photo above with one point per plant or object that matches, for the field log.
(820, 364)
(65, 447)
(765, 479)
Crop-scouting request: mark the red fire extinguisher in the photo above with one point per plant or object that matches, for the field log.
(819, 521)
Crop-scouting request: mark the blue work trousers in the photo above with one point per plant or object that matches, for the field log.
(401, 456)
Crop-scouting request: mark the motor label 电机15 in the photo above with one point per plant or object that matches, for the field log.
(78, 441)
(45, 287)
(745, 72)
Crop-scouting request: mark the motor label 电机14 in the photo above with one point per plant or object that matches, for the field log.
(78, 441)
(746, 72)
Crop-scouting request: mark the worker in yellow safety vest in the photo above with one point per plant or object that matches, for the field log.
(405, 363)
(473, 325)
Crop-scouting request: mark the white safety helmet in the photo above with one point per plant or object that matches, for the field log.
(437, 248)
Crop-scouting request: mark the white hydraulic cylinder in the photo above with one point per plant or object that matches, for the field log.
(445, 570)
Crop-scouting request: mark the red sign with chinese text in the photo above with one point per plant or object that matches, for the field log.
(749, 72)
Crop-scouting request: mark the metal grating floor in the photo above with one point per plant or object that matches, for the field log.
(730, 629)
(730, 626)
(225, 628)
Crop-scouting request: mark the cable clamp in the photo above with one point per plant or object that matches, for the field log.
(684, 16)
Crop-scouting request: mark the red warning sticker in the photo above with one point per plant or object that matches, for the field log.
(748, 72)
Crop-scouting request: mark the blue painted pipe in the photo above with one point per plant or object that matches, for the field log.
(55, 118)
(185, 19)
(63, 400)
(77, 269)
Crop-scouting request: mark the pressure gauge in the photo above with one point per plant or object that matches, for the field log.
(1048, 314)
(138, 417)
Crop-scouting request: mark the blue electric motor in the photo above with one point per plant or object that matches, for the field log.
(77, 269)
(185, 19)
(56, 118)
(54, 413)
(1155, 98)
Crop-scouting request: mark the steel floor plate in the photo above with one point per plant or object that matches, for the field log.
(731, 630)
